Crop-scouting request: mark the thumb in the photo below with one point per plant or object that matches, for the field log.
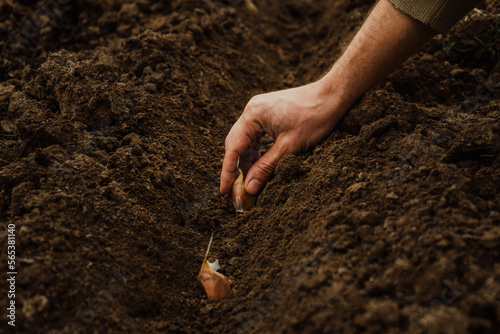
(263, 169)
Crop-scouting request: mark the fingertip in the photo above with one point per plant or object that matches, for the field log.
(253, 187)
(263, 169)
(225, 186)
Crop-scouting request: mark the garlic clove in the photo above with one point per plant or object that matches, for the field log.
(242, 201)
(215, 284)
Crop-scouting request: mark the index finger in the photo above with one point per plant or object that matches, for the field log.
(238, 142)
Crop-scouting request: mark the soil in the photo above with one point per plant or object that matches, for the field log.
(113, 116)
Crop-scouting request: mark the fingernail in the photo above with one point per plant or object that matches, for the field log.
(254, 186)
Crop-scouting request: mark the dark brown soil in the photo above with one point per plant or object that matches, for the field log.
(113, 116)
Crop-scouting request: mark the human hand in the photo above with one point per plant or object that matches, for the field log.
(297, 119)
(300, 118)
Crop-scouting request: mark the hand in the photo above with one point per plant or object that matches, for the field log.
(297, 119)
(300, 118)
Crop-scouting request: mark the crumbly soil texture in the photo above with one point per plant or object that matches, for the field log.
(113, 115)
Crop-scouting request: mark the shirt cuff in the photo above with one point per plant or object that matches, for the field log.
(440, 15)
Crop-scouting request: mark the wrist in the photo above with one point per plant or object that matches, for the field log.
(335, 94)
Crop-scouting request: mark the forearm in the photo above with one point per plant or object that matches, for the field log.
(386, 39)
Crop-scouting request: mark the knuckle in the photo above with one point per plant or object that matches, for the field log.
(287, 145)
(253, 106)
(267, 168)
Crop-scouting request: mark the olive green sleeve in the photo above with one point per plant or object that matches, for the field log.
(440, 15)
